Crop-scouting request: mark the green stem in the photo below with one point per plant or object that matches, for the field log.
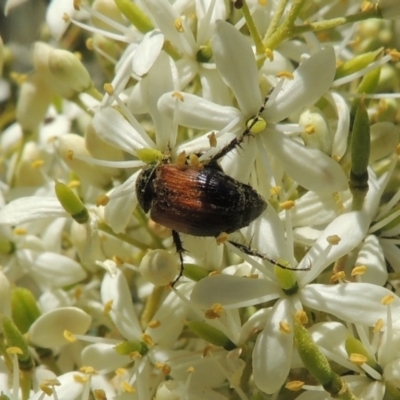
(126, 238)
(273, 26)
(288, 30)
(335, 22)
(284, 31)
(255, 35)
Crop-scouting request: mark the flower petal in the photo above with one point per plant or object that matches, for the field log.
(358, 303)
(311, 80)
(233, 291)
(272, 354)
(236, 64)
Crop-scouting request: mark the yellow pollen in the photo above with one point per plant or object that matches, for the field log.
(284, 327)
(394, 53)
(301, 316)
(212, 139)
(74, 184)
(77, 5)
(154, 324)
(147, 340)
(78, 292)
(178, 95)
(37, 163)
(120, 371)
(358, 359)
(340, 275)
(389, 299)
(287, 205)
(107, 307)
(190, 370)
(20, 231)
(99, 394)
(127, 387)
(262, 2)
(108, 88)
(14, 350)
(69, 336)
(102, 200)
(275, 190)
(359, 270)
(269, 54)
(285, 74)
(333, 239)
(194, 162)
(378, 325)
(222, 238)
(181, 160)
(214, 313)
(207, 350)
(86, 369)
(294, 386)
(366, 6)
(66, 18)
(89, 44)
(134, 355)
(46, 389)
(178, 25)
(80, 378)
(70, 155)
(310, 129)
(118, 260)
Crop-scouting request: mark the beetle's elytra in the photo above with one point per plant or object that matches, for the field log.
(199, 202)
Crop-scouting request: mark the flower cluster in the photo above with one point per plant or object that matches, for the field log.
(296, 101)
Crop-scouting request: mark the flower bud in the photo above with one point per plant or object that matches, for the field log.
(159, 267)
(109, 8)
(24, 308)
(33, 101)
(384, 139)
(62, 70)
(316, 131)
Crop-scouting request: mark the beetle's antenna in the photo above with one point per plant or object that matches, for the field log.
(239, 140)
(252, 252)
(180, 250)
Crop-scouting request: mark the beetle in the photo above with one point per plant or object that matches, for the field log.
(200, 199)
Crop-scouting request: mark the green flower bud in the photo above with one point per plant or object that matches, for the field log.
(211, 334)
(135, 15)
(24, 308)
(71, 203)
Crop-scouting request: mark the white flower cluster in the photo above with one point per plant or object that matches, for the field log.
(298, 100)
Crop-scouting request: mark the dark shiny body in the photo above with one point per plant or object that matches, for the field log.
(199, 202)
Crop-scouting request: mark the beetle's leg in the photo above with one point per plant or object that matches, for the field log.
(252, 252)
(180, 250)
(239, 140)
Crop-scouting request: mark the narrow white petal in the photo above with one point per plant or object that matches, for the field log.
(272, 354)
(233, 291)
(147, 52)
(160, 80)
(102, 356)
(237, 65)
(311, 168)
(52, 270)
(117, 131)
(311, 80)
(116, 290)
(358, 303)
(371, 255)
(123, 201)
(27, 209)
(197, 112)
(350, 228)
(48, 330)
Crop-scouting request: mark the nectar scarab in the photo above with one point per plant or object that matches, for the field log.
(200, 199)
(199, 202)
